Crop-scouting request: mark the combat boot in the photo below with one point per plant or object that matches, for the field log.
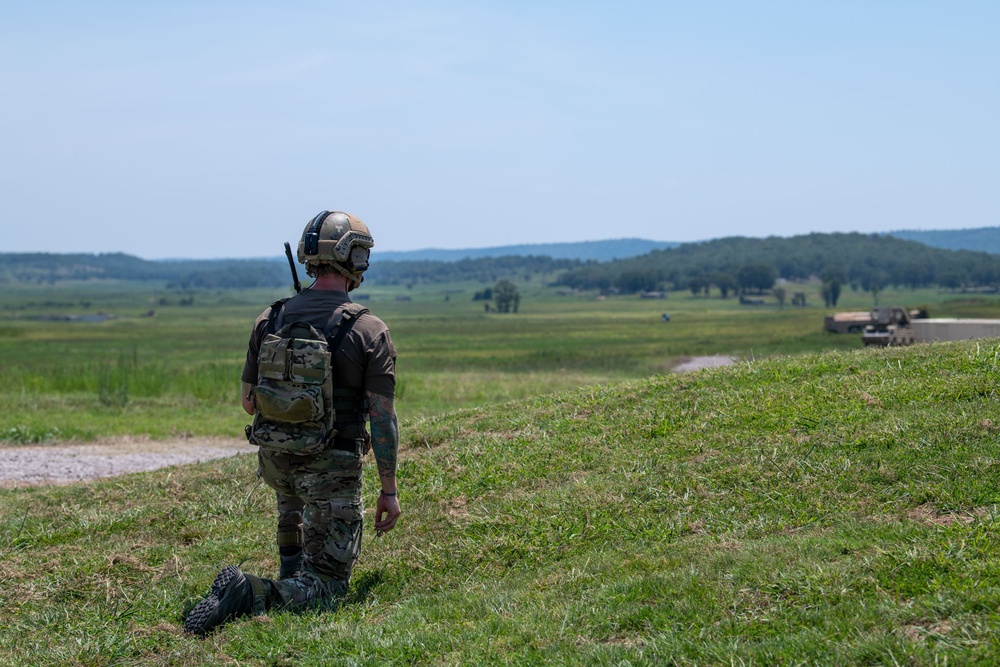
(233, 595)
(291, 562)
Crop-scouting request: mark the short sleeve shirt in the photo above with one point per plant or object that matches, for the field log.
(366, 359)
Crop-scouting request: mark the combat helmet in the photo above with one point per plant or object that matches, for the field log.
(336, 239)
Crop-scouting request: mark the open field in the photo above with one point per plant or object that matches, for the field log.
(829, 509)
(175, 374)
(567, 500)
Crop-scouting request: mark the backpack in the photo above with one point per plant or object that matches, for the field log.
(294, 396)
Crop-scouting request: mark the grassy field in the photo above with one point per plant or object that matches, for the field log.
(176, 372)
(838, 508)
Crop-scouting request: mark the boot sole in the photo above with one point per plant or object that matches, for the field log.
(204, 617)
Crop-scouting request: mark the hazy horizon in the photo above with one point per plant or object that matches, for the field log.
(279, 253)
(218, 129)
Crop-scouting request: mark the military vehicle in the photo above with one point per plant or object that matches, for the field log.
(852, 322)
(856, 321)
(890, 327)
(896, 326)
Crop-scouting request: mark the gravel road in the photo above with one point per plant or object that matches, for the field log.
(32, 465)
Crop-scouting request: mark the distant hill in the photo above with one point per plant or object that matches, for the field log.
(601, 251)
(898, 258)
(981, 239)
(861, 260)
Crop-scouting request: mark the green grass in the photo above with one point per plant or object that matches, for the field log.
(824, 509)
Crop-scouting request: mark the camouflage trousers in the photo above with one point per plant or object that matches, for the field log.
(319, 495)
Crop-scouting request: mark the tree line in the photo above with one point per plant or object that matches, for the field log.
(482, 269)
(869, 262)
(735, 265)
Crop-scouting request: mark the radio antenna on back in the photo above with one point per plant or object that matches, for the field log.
(291, 265)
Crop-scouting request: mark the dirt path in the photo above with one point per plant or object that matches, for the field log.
(31, 465)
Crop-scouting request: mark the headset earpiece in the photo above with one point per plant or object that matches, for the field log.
(310, 240)
(358, 261)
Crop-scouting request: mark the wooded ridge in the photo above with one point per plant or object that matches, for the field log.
(864, 261)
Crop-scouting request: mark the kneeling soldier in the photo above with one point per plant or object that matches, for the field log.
(318, 367)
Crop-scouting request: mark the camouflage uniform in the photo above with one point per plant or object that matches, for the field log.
(319, 495)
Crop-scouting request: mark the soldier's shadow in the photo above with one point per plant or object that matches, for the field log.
(358, 593)
(361, 588)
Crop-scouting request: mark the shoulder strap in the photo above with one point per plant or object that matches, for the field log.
(277, 315)
(341, 322)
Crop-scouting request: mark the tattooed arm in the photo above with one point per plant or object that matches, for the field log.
(385, 444)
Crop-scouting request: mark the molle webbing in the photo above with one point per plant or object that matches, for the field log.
(349, 406)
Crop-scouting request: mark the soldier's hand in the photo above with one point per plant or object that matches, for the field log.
(386, 512)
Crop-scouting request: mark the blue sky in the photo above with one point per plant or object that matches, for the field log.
(218, 129)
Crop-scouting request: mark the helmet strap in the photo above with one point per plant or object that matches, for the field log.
(353, 279)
